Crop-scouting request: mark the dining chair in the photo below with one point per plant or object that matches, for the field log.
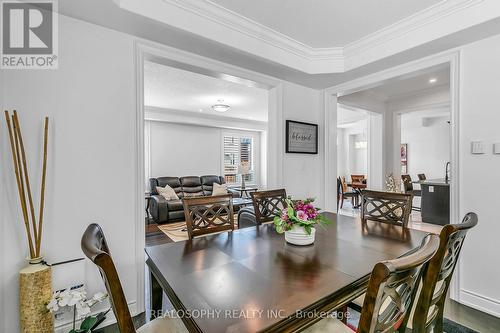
(429, 307)
(266, 204)
(386, 207)
(421, 176)
(357, 178)
(408, 188)
(354, 195)
(390, 293)
(96, 248)
(208, 215)
(339, 191)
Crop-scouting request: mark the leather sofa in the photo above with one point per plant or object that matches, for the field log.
(165, 211)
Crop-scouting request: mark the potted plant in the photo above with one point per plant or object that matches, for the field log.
(81, 305)
(298, 221)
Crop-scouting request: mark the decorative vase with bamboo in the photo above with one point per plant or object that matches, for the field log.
(35, 280)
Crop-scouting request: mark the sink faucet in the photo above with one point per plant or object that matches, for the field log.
(447, 171)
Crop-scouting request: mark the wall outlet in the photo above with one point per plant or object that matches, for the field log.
(431, 189)
(477, 147)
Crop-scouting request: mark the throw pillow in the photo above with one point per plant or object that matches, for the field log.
(219, 189)
(167, 192)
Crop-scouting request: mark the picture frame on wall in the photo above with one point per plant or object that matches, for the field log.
(301, 138)
(404, 158)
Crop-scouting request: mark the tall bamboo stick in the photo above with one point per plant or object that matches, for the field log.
(17, 127)
(42, 192)
(24, 205)
(19, 187)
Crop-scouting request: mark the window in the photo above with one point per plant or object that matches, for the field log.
(238, 150)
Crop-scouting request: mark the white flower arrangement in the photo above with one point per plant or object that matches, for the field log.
(76, 299)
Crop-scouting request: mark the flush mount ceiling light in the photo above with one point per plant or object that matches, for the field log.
(433, 80)
(220, 106)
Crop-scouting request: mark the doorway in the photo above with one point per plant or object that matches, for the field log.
(269, 143)
(391, 146)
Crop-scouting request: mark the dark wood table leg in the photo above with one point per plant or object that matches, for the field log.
(156, 293)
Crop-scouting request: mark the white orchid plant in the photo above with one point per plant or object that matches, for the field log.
(77, 299)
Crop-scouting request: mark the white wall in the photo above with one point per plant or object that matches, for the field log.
(90, 100)
(92, 159)
(376, 150)
(351, 160)
(435, 100)
(429, 146)
(479, 120)
(187, 150)
(303, 174)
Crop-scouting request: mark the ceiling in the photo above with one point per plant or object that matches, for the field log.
(347, 117)
(111, 16)
(326, 23)
(175, 89)
(413, 84)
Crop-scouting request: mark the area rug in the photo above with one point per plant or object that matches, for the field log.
(177, 231)
(452, 327)
(448, 325)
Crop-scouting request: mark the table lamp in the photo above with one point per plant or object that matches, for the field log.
(243, 169)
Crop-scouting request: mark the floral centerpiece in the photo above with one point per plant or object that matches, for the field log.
(298, 220)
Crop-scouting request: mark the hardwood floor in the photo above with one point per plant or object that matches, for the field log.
(154, 236)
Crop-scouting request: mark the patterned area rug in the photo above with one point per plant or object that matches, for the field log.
(448, 325)
(452, 327)
(177, 231)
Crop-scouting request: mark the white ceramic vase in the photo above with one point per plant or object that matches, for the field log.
(298, 236)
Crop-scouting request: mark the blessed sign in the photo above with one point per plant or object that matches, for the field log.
(301, 137)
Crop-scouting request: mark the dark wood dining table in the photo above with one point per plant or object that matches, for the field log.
(357, 186)
(251, 280)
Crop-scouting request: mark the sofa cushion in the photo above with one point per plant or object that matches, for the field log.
(175, 205)
(191, 186)
(207, 183)
(219, 189)
(167, 192)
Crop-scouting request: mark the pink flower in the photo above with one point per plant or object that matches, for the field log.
(301, 215)
(284, 214)
(299, 205)
(311, 211)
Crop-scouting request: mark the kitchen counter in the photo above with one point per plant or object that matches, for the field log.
(435, 204)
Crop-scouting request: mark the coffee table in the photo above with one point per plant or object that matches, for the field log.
(241, 202)
(244, 190)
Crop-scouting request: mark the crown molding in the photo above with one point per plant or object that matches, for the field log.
(411, 23)
(212, 21)
(249, 27)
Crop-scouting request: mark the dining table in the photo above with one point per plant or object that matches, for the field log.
(357, 187)
(252, 280)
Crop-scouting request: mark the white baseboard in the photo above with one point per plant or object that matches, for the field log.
(110, 319)
(480, 302)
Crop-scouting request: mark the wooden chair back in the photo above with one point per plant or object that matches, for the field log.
(421, 176)
(95, 247)
(344, 185)
(357, 178)
(386, 207)
(407, 183)
(392, 289)
(267, 204)
(428, 314)
(339, 191)
(208, 215)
